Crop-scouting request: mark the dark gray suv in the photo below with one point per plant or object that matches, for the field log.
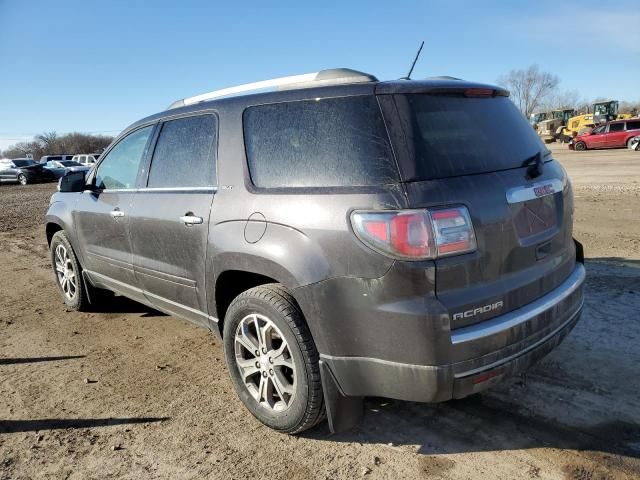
(346, 237)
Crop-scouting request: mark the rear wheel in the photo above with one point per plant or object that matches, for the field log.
(580, 146)
(272, 359)
(633, 142)
(22, 180)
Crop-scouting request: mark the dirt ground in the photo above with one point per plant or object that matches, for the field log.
(131, 393)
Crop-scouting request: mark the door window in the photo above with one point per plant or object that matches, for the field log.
(616, 127)
(185, 154)
(635, 125)
(119, 169)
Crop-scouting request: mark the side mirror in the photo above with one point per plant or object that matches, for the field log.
(74, 182)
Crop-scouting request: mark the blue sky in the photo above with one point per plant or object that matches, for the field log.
(97, 66)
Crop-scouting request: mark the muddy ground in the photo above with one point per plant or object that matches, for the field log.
(131, 393)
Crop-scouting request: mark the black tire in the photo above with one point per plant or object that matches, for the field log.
(79, 300)
(630, 141)
(580, 146)
(22, 180)
(274, 302)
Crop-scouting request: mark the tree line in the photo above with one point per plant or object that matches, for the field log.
(533, 90)
(50, 143)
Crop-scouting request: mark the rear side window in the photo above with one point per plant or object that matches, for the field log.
(633, 125)
(184, 155)
(616, 127)
(452, 135)
(331, 142)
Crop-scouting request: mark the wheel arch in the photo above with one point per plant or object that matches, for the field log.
(231, 283)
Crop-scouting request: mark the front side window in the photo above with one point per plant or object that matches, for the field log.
(185, 154)
(331, 142)
(119, 169)
(616, 127)
(599, 130)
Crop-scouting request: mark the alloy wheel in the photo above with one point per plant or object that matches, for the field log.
(65, 272)
(265, 363)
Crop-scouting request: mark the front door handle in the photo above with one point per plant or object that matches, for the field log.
(190, 219)
(116, 213)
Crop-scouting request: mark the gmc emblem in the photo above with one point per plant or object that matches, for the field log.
(543, 190)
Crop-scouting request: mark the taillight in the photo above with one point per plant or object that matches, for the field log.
(416, 234)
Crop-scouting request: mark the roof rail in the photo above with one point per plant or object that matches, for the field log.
(334, 76)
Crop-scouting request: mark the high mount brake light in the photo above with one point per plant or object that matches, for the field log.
(416, 234)
(479, 92)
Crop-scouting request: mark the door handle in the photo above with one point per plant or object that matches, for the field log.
(190, 219)
(116, 213)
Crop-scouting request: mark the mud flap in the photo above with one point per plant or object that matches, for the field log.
(579, 252)
(86, 283)
(343, 413)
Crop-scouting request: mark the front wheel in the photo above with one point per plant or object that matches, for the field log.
(580, 146)
(22, 180)
(68, 273)
(272, 359)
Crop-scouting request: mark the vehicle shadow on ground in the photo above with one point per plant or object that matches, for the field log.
(16, 361)
(120, 304)
(15, 426)
(480, 423)
(619, 261)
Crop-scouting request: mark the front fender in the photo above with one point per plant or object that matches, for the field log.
(59, 215)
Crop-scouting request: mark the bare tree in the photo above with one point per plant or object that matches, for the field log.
(529, 88)
(562, 100)
(51, 143)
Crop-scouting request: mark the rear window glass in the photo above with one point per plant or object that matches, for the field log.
(332, 142)
(184, 154)
(454, 135)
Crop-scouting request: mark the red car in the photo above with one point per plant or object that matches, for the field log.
(617, 133)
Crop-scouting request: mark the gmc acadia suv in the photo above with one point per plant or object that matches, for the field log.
(346, 237)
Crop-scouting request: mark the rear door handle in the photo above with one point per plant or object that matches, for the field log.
(116, 213)
(191, 219)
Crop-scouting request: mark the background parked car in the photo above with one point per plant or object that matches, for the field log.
(57, 158)
(24, 171)
(60, 169)
(615, 134)
(86, 159)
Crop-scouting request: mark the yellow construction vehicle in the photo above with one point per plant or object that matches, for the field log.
(601, 112)
(551, 127)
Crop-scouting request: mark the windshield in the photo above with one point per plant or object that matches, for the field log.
(69, 163)
(24, 163)
(454, 135)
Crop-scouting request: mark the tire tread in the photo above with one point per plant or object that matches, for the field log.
(279, 297)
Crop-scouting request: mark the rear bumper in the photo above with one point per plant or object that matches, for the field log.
(503, 346)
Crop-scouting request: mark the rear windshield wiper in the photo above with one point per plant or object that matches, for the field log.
(535, 165)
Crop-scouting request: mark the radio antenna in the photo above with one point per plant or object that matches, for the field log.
(408, 77)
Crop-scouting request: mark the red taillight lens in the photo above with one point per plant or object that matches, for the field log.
(410, 235)
(416, 234)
